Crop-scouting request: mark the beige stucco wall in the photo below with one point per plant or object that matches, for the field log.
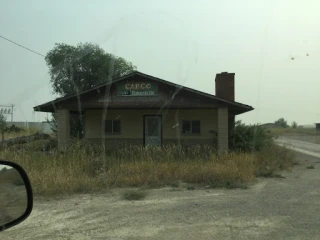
(132, 123)
(223, 128)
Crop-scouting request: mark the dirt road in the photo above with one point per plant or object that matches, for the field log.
(303, 137)
(303, 146)
(278, 208)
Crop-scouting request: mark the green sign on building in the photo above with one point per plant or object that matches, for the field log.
(137, 89)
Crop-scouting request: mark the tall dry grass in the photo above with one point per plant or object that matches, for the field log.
(83, 168)
(24, 132)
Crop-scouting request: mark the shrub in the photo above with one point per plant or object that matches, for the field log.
(249, 137)
(272, 159)
(310, 167)
(190, 187)
(134, 195)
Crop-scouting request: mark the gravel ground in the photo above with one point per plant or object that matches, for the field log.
(13, 202)
(13, 196)
(277, 208)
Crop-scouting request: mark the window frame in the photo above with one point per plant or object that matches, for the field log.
(112, 127)
(191, 130)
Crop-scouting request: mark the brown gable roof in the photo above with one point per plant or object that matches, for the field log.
(49, 106)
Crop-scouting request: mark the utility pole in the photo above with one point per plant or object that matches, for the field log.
(11, 113)
(7, 109)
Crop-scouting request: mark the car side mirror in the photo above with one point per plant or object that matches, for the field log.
(16, 199)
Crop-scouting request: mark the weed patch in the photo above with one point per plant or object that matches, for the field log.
(190, 187)
(310, 167)
(84, 169)
(134, 195)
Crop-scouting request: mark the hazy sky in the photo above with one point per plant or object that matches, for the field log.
(185, 42)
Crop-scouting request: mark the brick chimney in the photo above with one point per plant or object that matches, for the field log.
(225, 85)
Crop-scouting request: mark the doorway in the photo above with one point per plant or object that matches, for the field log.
(152, 131)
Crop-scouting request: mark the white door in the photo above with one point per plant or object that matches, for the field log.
(152, 130)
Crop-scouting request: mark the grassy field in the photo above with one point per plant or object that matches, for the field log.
(84, 169)
(284, 131)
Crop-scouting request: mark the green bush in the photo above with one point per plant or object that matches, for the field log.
(273, 159)
(310, 167)
(249, 137)
(134, 195)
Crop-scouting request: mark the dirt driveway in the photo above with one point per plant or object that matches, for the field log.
(278, 208)
(302, 145)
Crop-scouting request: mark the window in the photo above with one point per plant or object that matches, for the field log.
(113, 126)
(191, 126)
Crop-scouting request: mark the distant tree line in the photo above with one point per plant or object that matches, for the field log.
(281, 122)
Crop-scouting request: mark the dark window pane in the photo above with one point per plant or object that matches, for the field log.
(195, 126)
(108, 126)
(186, 127)
(117, 126)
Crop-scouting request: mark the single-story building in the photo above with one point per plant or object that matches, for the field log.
(139, 109)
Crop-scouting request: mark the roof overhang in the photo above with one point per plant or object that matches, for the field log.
(77, 99)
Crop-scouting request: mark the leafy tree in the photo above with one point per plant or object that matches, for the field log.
(4, 128)
(74, 69)
(81, 67)
(294, 124)
(282, 123)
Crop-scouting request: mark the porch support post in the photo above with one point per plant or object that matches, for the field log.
(231, 124)
(63, 129)
(223, 133)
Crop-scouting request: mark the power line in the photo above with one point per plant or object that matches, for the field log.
(21, 46)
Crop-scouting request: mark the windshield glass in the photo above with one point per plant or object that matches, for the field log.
(163, 120)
